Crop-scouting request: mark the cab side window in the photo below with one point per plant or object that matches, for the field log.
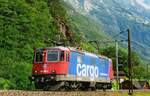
(67, 57)
(62, 56)
(79, 59)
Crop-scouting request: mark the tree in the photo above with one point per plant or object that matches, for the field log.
(123, 54)
(139, 72)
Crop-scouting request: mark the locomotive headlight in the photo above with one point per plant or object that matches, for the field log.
(45, 71)
(32, 78)
(53, 71)
(41, 71)
(35, 71)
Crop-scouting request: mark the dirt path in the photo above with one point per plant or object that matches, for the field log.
(48, 93)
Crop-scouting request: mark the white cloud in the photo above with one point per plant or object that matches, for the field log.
(142, 4)
(88, 5)
(132, 2)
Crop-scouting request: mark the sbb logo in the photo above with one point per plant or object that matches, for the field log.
(87, 70)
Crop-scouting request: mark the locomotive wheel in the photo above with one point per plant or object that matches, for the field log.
(85, 87)
(91, 89)
(39, 85)
(54, 87)
(75, 86)
(65, 87)
(104, 87)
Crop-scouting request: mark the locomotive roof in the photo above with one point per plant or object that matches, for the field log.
(60, 48)
(75, 50)
(55, 48)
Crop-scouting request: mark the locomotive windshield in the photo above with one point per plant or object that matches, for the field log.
(55, 56)
(39, 56)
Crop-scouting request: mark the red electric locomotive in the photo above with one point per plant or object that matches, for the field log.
(58, 68)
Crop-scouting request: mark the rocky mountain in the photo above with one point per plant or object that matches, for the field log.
(114, 16)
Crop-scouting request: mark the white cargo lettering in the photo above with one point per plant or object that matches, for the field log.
(87, 70)
(92, 71)
(96, 71)
(78, 69)
(84, 70)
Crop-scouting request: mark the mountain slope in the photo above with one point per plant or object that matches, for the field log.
(118, 15)
(83, 24)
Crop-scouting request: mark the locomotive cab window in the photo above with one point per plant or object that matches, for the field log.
(55, 56)
(52, 56)
(38, 56)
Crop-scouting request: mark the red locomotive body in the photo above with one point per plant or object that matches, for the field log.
(48, 61)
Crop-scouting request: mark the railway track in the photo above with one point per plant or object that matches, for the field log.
(71, 93)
